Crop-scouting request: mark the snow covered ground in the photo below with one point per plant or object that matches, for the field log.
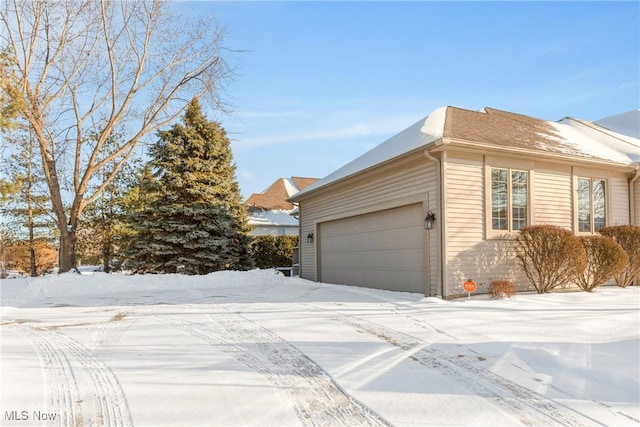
(256, 348)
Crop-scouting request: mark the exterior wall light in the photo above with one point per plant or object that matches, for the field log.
(429, 220)
(310, 238)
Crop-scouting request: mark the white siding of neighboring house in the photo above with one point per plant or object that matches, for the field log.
(401, 183)
(275, 230)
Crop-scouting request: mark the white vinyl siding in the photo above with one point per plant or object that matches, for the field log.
(552, 199)
(474, 250)
(618, 200)
(465, 204)
(467, 253)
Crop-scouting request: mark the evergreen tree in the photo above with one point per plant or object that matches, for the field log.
(24, 201)
(193, 221)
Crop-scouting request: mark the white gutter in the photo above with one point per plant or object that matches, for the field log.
(632, 197)
(440, 221)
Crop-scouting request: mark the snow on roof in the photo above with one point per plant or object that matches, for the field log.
(273, 217)
(626, 123)
(597, 142)
(275, 196)
(415, 136)
(289, 186)
(569, 137)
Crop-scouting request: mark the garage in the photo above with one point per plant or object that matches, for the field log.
(379, 250)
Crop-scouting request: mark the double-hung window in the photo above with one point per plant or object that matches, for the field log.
(509, 199)
(592, 204)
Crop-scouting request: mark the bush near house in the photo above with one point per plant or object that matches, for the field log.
(605, 260)
(273, 251)
(550, 256)
(627, 236)
(502, 288)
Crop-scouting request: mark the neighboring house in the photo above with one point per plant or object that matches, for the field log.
(270, 212)
(478, 176)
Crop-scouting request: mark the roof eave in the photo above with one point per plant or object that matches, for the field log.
(304, 193)
(478, 147)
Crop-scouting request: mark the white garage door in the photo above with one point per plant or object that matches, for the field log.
(380, 250)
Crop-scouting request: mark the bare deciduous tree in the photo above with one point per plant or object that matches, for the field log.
(81, 67)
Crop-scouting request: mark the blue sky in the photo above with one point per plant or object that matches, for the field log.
(320, 83)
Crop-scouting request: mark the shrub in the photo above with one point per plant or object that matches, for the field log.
(502, 288)
(18, 256)
(627, 236)
(550, 256)
(273, 251)
(605, 260)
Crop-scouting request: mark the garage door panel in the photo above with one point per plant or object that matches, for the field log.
(385, 239)
(381, 250)
(384, 220)
(392, 280)
(392, 259)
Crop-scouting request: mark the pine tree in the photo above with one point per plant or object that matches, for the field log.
(193, 220)
(25, 202)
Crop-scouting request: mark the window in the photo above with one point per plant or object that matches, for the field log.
(509, 199)
(592, 205)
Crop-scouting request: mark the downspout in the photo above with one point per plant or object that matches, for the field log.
(297, 216)
(632, 201)
(440, 221)
(632, 196)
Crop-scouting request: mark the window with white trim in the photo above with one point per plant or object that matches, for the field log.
(509, 199)
(592, 204)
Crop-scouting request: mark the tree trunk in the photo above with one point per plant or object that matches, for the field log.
(32, 251)
(106, 256)
(67, 253)
(32, 254)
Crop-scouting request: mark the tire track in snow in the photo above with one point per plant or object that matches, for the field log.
(62, 394)
(110, 331)
(500, 391)
(62, 356)
(401, 311)
(318, 400)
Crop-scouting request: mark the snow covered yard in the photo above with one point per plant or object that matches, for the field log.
(256, 348)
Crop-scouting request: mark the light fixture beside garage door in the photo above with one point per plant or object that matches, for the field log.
(429, 220)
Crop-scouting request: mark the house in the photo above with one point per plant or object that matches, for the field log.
(440, 202)
(270, 212)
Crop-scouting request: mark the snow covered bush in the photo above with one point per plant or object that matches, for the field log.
(550, 256)
(273, 251)
(502, 288)
(605, 260)
(627, 236)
